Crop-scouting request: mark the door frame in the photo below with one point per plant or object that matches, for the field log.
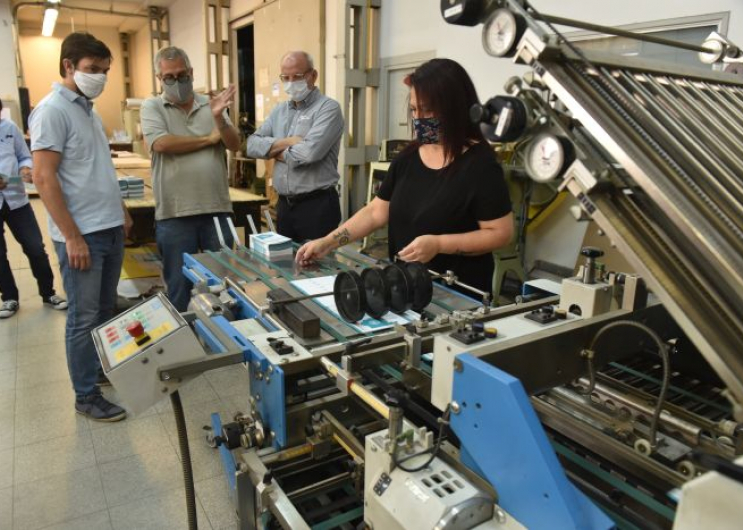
(389, 65)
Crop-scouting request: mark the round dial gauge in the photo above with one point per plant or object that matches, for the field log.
(545, 157)
(500, 32)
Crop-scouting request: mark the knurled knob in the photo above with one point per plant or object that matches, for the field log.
(592, 252)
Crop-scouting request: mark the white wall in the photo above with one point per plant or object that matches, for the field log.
(241, 8)
(8, 79)
(412, 26)
(188, 31)
(40, 56)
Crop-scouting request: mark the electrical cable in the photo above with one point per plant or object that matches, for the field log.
(180, 423)
(662, 352)
(443, 422)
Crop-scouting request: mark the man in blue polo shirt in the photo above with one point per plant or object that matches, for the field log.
(76, 180)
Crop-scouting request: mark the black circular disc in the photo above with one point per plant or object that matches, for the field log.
(348, 291)
(377, 292)
(422, 285)
(400, 284)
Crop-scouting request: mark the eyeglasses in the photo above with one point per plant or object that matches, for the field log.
(170, 80)
(295, 77)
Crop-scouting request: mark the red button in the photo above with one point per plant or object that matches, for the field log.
(135, 329)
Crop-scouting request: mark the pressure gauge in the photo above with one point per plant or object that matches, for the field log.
(501, 32)
(547, 156)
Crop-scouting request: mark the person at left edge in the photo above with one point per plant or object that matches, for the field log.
(187, 134)
(76, 180)
(17, 214)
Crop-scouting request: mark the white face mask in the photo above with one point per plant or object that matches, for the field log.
(91, 85)
(297, 90)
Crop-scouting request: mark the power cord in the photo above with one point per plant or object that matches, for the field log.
(443, 422)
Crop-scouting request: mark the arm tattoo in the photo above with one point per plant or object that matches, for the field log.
(460, 252)
(342, 237)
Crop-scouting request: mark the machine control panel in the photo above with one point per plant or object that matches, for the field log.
(150, 319)
(136, 345)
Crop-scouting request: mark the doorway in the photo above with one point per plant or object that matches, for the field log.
(246, 78)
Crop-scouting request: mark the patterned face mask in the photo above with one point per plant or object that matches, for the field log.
(427, 130)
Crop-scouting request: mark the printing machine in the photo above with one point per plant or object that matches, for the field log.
(610, 399)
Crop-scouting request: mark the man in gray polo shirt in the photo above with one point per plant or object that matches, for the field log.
(76, 180)
(303, 135)
(187, 134)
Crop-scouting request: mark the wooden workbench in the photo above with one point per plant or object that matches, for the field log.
(142, 210)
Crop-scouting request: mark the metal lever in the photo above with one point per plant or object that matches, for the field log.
(220, 235)
(253, 229)
(233, 231)
(271, 227)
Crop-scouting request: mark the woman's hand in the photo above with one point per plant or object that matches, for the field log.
(313, 250)
(422, 248)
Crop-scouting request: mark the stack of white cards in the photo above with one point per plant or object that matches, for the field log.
(272, 245)
(131, 187)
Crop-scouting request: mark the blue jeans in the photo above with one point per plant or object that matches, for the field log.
(91, 298)
(25, 229)
(190, 235)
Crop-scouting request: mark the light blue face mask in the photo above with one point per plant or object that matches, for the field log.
(297, 90)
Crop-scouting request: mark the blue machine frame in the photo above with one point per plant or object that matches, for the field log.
(268, 392)
(503, 441)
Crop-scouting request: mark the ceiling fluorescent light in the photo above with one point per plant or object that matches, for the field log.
(50, 19)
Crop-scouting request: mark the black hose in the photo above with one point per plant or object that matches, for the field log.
(443, 422)
(662, 351)
(180, 423)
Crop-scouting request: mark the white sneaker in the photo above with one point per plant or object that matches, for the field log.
(56, 302)
(8, 309)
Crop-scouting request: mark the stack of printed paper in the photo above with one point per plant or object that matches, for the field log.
(131, 187)
(272, 245)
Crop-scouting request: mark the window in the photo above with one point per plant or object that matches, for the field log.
(691, 30)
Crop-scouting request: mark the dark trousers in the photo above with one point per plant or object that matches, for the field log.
(302, 219)
(179, 235)
(25, 229)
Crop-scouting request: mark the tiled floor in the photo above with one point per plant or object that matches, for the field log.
(61, 471)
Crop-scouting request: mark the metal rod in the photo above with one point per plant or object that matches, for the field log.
(723, 233)
(733, 116)
(300, 298)
(362, 392)
(288, 454)
(621, 33)
(319, 486)
(451, 279)
(719, 165)
(344, 437)
(718, 135)
(719, 104)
